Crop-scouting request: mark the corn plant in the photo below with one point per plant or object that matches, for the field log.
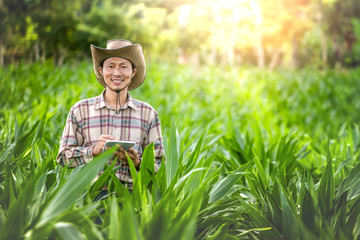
(250, 154)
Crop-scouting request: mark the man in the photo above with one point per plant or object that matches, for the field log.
(114, 115)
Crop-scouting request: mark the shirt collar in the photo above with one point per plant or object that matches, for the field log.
(100, 102)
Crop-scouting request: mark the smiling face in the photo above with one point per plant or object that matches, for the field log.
(117, 73)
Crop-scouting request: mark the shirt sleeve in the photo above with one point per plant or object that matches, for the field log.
(155, 136)
(71, 150)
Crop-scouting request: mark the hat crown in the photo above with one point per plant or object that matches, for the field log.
(117, 43)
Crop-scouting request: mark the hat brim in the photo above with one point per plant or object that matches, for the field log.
(132, 53)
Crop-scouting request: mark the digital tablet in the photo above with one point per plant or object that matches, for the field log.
(126, 145)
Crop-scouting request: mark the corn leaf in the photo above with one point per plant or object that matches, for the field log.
(326, 189)
(68, 231)
(172, 155)
(308, 211)
(223, 186)
(290, 223)
(147, 169)
(73, 188)
(351, 183)
(100, 182)
(260, 221)
(122, 191)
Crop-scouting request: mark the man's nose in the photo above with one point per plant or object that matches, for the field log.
(117, 71)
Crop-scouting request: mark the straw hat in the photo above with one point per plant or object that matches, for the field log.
(124, 49)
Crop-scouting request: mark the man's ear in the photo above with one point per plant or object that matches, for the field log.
(133, 73)
(100, 69)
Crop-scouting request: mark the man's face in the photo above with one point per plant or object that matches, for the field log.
(117, 72)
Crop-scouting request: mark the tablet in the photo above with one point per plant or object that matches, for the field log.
(126, 145)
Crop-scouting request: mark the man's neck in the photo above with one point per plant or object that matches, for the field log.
(111, 96)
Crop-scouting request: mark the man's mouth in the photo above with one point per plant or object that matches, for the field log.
(117, 80)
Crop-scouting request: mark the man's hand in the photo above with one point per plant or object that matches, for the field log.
(133, 154)
(98, 148)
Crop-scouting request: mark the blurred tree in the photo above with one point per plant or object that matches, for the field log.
(220, 30)
(12, 30)
(103, 19)
(27, 25)
(107, 20)
(285, 23)
(339, 16)
(320, 19)
(3, 30)
(355, 48)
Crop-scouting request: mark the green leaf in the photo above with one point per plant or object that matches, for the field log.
(123, 223)
(220, 233)
(172, 155)
(74, 187)
(303, 153)
(308, 211)
(9, 187)
(177, 217)
(340, 226)
(354, 217)
(351, 183)
(100, 182)
(17, 212)
(259, 146)
(114, 226)
(68, 231)
(224, 185)
(147, 169)
(344, 163)
(290, 223)
(196, 152)
(326, 191)
(122, 191)
(261, 172)
(260, 221)
(184, 178)
(133, 172)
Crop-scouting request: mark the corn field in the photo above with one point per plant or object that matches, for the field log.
(251, 154)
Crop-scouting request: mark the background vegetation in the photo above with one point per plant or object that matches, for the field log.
(259, 107)
(285, 33)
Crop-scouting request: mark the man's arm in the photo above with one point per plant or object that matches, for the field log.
(71, 150)
(74, 156)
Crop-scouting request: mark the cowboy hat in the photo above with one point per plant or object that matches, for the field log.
(123, 49)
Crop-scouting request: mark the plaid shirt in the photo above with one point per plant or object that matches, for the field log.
(90, 118)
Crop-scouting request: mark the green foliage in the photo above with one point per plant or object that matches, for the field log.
(294, 34)
(251, 154)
